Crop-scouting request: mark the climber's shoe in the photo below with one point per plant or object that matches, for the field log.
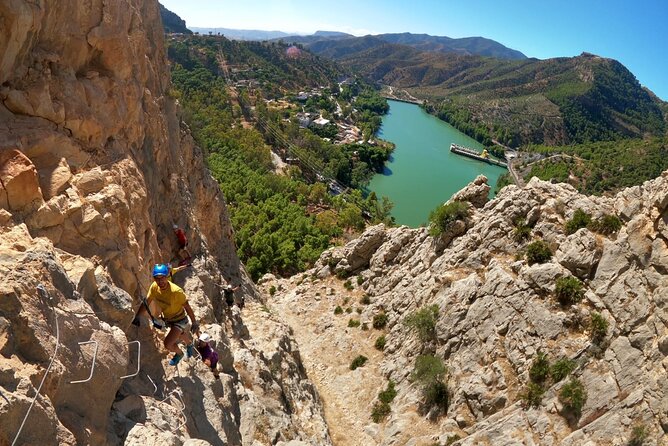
(175, 359)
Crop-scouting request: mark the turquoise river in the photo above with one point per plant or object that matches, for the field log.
(422, 171)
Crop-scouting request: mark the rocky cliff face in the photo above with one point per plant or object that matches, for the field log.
(95, 168)
(496, 312)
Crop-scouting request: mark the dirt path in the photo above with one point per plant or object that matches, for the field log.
(328, 346)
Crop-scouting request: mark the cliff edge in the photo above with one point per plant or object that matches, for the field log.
(95, 169)
(485, 343)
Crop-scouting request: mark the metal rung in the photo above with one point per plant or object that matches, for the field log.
(176, 395)
(92, 367)
(138, 360)
(154, 386)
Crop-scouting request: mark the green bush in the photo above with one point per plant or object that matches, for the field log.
(452, 438)
(579, 220)
(359, 361)
(428, 368)
(349, 310)
(365, 300)
(538, 252)
(387, 395)
(358, 310)
(444, 215)
(532, 395)
(540, 368)
(342, 274)
(608, 224)
(423, 322)
(379, 321)
(638, 435)
(569, 290)
(380, 411)
(338, 310)
(348, 285)
(435, 394)
(599, 327)
(573, 396)
(360, 280)
(380, 343)
(272, 290)
(522, 230)
(353, 323)
(561, 369)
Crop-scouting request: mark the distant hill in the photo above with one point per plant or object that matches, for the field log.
(331, 34)
(241, 34)
(268, 66)
(172, 22)
(468, 45)
(553, 101)
(321, 43)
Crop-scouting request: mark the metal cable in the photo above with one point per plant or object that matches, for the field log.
(45, 293)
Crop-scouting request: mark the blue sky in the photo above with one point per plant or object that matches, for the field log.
(635, 32)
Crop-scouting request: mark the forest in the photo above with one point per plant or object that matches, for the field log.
(602, 167)
(283, 222)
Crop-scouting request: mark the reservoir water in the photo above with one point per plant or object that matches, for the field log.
(422, 171)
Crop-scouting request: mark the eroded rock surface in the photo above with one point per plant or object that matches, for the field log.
(95, 168)
(495, 313)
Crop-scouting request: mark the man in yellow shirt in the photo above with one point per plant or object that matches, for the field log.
(167, 299)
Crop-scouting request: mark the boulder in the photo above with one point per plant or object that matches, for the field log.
(579, 253)
(19, 183)
(54, 179)
(476, 192)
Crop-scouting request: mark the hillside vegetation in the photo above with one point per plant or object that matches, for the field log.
(553, 101)
(595, 168)
(424, 42)
(268, 65)
(283, 222)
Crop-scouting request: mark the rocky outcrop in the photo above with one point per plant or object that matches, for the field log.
(95, 168)
(496, 312)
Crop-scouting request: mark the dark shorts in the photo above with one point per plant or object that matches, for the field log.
(214, 360)
(181, 324)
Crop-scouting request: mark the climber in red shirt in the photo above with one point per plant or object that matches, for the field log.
(182, 241)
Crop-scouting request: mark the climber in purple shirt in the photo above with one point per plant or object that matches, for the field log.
(209, 356)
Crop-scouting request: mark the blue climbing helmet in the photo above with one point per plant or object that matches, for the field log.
(160, 270)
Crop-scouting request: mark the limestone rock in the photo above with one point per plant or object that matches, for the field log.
(95, 167)
(54, 179)
(579, 253)
(19, 185)
(90, 182)
(476, 192)
(495, 313)
(91, 150)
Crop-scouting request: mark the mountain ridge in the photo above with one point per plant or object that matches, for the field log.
(553, 101)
